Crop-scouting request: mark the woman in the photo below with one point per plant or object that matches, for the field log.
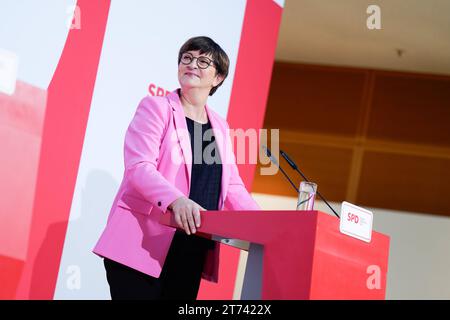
(166, 172)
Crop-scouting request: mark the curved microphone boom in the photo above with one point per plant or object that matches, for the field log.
(269, 154)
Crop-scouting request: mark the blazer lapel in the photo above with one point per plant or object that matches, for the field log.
(182, 131)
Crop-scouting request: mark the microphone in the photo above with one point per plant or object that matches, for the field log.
(272, 158)
(294, 166)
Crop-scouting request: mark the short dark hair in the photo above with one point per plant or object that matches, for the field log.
(207, 46)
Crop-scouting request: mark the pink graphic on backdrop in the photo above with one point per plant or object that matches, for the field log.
(53, 161)
(21, 123)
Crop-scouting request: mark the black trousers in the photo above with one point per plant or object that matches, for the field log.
(179, 279)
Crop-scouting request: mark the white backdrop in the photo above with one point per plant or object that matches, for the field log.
(35, 31)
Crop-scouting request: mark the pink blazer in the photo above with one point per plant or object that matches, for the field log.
(158, 159)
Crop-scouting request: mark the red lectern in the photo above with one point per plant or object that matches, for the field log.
(300, 254)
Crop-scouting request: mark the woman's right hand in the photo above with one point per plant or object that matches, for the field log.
(186, 213)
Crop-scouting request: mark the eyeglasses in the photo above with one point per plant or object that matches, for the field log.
(202, 61)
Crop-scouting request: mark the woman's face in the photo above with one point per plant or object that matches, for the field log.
(191, 76)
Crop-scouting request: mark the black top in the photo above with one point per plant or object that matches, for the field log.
(206, 177)
(206, 174)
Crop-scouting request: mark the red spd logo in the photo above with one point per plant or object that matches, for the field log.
(353, 217)
(155, 90)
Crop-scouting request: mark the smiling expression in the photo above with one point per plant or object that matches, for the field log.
(191, 76)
